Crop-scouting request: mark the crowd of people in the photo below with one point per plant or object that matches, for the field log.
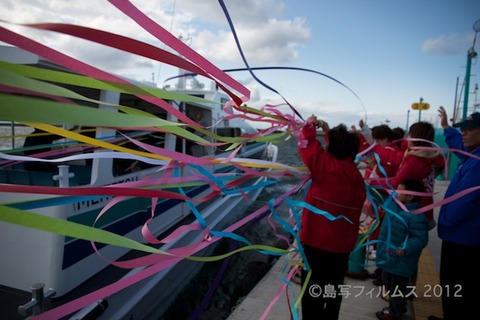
(401, 168)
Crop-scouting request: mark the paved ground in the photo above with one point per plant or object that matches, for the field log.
(365, 299)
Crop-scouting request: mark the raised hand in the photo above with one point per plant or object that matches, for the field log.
(443, 117)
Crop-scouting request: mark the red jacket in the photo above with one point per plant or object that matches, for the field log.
(390, 160)
(390, 156)
(418, 165)
(338, 188)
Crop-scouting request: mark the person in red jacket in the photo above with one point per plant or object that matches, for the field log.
(386, 165)
(417, 163)
(337, 188)
(389, 160)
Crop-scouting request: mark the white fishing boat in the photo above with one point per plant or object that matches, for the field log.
(70, 266)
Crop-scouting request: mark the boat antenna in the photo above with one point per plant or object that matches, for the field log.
(164, 45)
(182, 81)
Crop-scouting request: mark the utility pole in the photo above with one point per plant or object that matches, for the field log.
(408, 119)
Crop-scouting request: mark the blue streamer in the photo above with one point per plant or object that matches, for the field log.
(43, 203)
(315, 210)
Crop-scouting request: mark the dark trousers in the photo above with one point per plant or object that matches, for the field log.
(459, 280)
(328, 269)
(396, 287)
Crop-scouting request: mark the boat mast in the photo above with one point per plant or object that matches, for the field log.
(470, 55)
(182, 80)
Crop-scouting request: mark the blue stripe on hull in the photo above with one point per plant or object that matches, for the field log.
(77, 250)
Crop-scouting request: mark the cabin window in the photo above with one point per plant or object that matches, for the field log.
(152, 138)
(203, 117)
(227, 132)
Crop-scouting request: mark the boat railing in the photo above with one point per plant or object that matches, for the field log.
(36, 304)
(63, 176)
(77, 175)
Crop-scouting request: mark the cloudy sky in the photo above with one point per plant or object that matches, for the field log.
(389, 53)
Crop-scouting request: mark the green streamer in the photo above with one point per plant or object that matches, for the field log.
(70, 229)
(87, 82)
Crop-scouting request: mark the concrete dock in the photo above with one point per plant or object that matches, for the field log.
(364, 300)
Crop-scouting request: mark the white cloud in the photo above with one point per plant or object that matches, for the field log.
(254, 93)
(263, 35)
(266, 36)
(447, 45)
(243, 13)
(276, 44)
(203, 21)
